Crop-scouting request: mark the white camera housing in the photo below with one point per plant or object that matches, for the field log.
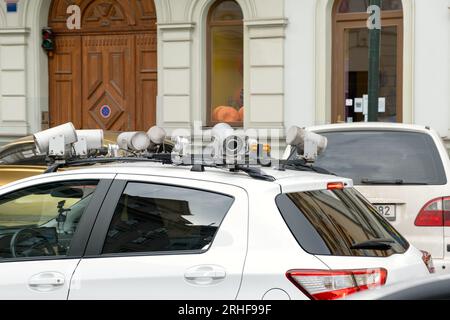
(88, 140)
(308, 144)
(182, 150)
(134, 141)
(221, 131)
(157, 135)
(57, 140)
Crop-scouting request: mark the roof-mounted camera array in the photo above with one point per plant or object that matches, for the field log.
(65, 142)
(65, 146)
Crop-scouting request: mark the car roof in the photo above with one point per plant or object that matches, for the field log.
(370, 126)
(288, 180)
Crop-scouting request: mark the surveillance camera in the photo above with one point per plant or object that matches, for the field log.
(134, 141)
(88, 140)
(308, 144)
(58, 137)
(157, 135)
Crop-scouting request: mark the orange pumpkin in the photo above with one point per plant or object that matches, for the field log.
(227, 114)
(216, 110)
(241, 114)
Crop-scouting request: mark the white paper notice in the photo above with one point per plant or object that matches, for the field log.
(358, 105)
(348, 102)
(381, 105)
(366, 104)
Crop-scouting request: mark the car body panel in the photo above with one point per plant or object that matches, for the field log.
(160, 276)
(255, 243)
(399, 266)
(9, 173)
(27, 279)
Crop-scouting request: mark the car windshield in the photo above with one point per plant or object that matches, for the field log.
(339, 223)
(383, 158)
(22, 154)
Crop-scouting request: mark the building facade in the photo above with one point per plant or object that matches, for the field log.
(253, 63)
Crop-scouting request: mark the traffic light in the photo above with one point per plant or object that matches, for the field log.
(48, 39)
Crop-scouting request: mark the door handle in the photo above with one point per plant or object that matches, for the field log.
(205, 275)
(47, 281)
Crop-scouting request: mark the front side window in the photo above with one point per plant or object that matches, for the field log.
(159, 218)
(225, 64)
(41, 221)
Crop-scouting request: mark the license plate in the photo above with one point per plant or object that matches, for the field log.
(387, 211)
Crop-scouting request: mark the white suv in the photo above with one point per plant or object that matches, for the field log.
(404, 171)
(149, 231)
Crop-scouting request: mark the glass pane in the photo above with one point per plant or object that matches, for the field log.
(408, 157)
(41, 221)
(22, 154)
(157, 218)
(227, 10)
(227, 95)
(356, 60)
(331, 222)
(351, 6)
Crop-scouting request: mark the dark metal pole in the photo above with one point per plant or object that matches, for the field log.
(374, 66)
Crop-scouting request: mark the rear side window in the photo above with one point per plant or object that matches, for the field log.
(332, 222)
(159, 218)
(22, 154)
(383, 157)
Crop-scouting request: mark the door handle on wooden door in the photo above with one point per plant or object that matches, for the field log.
(47, 281)
(205, 275)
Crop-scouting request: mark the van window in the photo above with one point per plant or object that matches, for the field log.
(332, 222)
(383, 158)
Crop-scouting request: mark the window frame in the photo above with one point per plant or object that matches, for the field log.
(209, 24)
(102, 224)
(343, 21)
(81, 236)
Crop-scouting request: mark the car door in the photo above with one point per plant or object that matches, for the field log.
(44, 227)
(165, 238)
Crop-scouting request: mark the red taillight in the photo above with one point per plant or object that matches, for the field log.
(428, 260)
(336, 284)
(435, 213)
(335, 186)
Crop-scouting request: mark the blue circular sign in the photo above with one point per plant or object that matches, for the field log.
(105, 111)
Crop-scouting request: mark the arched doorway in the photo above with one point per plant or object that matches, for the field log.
(104, 75)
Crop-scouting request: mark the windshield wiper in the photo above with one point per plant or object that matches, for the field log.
(377, 244)
(302, 165)
(398, 182)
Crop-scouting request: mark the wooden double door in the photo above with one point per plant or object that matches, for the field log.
(104, 79)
